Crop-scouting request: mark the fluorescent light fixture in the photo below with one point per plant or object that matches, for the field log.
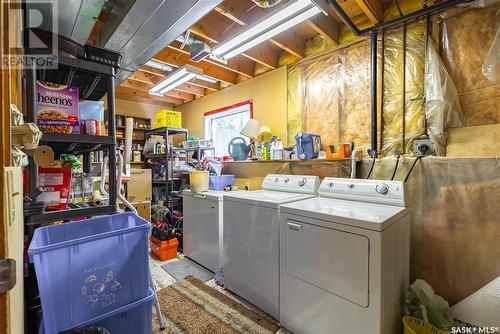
(281, 19)
(177, 78)
(207, 78)
(159, 65)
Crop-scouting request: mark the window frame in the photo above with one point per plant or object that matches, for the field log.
(222, 112)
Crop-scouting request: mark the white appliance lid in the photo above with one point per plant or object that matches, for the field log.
(211, 194)
(263, 197)
(370, 216)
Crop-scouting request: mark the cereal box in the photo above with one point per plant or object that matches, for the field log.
(57, 108)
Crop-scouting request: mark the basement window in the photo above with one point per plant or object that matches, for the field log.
(224, 124)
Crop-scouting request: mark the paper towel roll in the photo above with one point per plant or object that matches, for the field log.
(97, 198)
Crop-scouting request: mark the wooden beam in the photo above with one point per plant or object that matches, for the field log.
(144, 77)
(191, 89)
(238, 64)
(373, 9)
(242, 14)
(326, 26)
(141, 99)
(215, 29)
(195, 82)
(214, 87)
(145, 87)
(173, 58)
(126, 88)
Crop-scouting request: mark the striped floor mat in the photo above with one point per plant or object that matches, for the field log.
(191, 307)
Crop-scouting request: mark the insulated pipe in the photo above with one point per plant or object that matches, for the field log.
(373, 78)
(383, 25)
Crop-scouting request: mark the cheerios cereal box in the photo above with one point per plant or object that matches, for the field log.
(57, 108)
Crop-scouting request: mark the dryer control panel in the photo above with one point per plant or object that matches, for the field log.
(301, 184)
(362, 190)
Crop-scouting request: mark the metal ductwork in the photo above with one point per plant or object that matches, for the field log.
(75, 18)
(266, 3)
(139, 29)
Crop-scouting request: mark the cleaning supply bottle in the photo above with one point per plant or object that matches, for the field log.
(278, 150)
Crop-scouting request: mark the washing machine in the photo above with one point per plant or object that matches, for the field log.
(345, 258)
(202, 228)
(251, 237)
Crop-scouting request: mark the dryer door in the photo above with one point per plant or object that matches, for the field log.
(333, 260)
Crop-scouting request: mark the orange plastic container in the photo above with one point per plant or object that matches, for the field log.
(164, 249)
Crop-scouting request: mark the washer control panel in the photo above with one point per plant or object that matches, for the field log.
(373, 191)
(303, 184)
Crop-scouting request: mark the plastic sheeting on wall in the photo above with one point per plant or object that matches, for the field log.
(442, 104)
(403, 96)
(466, 39)
(329, 95)
(454, 221)
(491, 66)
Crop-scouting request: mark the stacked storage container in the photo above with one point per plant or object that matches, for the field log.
(94, 272)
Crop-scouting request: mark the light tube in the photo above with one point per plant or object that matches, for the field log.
(278, 21)
(177, 78)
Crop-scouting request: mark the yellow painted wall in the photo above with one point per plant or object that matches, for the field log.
(267, 91)
(136, 109)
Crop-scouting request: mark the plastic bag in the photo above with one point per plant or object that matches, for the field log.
(422, 303)
(491, 66)
(442, 103)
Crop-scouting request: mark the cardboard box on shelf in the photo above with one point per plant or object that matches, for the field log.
(143, 209)
(139, 188)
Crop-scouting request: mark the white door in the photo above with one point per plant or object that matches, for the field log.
(333, 260)
(201, 231)
(251, 242)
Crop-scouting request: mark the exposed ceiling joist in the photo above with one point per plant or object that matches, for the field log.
(326, 27)
(238, 12)
(131, 95)
(191, 89)
(196, 82)
(130, 83)
(127, 88)
(212, 86)
(373, 9)
(240, 65)
(215, 30)
(174, 58)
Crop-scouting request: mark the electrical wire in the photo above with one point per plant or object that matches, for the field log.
(371, 168)
(398, 155)
(411, 169)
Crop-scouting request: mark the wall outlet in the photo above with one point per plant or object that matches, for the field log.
(422, 147)
(247, 185)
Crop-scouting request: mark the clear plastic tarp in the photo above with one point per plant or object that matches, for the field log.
(455, 229)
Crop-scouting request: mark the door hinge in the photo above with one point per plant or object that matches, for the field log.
(7, 274)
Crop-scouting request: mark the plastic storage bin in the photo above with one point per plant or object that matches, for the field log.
(133, 318)
(168, 118)
(89, 268)
(219, 182)
(164, 249)
(414, 325)
(198, 181)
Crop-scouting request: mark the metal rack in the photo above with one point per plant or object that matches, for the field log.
(168, 182)
(94, 80)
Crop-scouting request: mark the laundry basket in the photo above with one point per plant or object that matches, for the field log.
(414, 325)
(89, 268)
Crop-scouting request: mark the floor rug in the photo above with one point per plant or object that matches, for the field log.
(191, 306)
(186, 267)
